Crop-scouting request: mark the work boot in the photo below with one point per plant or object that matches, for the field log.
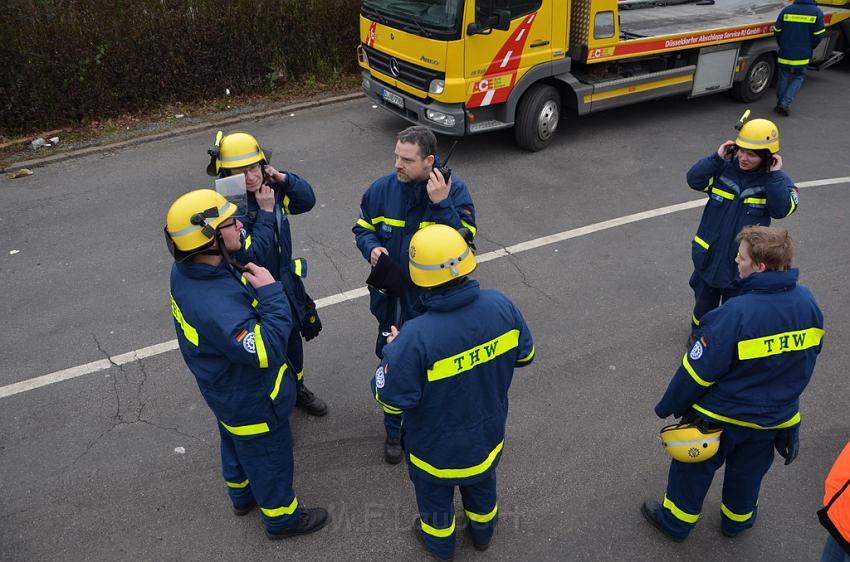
(650, 509)
(782, 110)
(417, 531)
(309, 521)
(310, 403)
(241, 510)
(475, 545)
(392, 450)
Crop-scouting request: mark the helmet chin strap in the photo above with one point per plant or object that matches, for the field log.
(222, 250)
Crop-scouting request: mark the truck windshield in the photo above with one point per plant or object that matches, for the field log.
(429, 18)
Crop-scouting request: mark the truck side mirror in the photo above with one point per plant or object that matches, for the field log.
(498, 19)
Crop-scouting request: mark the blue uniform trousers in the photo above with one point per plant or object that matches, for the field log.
(260, 469)
(748, 454)
(436, 512)
(392, 422)
(707, 298)
(789, 80)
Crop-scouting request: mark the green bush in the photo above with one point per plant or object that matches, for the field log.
(66, 61)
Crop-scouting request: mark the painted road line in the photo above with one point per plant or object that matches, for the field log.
(124, 358)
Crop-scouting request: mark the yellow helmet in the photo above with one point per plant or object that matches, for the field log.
(234, 151)
(686, 442)
(437, 254)
(759, 134)
(192, 221)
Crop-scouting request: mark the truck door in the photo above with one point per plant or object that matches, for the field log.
(495, 61)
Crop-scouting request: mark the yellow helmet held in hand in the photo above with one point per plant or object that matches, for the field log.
(438, 254)
(759, 134)
(234, 150)
(192, 221)
(686, 442)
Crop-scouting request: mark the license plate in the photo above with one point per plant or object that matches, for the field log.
(392, 98)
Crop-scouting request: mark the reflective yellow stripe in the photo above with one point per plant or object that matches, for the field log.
(458, 472)
(755, 201)
(366, 225)
(248, 242)
(387, 408)
(678, 513)
(277, 381)
(299, 375)
(695, 320)
(286, 201)
(710, 183)
(699, 380)
(482, 518)
(423, 224)
(391, 222)
(790, 62)
(779, 343)
(724, 194)
(777, 29)
(819, 32)
(253, 429)
(793, 206)
(188, 330)
(793, 421)
(244, 281)
(701, 242)
(298, 267)
(260, 346)
(278, 511)
(734, 516)
(799, 18)
(254, 303)
(237, 484)
(528, 357)
(441, 533)
(471, 227)
(466, 360)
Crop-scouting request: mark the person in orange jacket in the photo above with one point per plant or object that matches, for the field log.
(835, 515)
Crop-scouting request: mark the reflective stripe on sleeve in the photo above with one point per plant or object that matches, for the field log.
(470, 226)
(458, 472)
(277, 381)
(260, 346)
(366, 225)
(694, 319)
(678, 513)
(423, 224)
(286, 201)
(734, 516)
(710, 183)
(237, 485)
(435, 532)
(702, 242)
(189, 331)
(387, 408)
(244, 430)
(528, 357)
(698, 379)
(278, 511)
(299, 375)
(793, 206)
(819, 32)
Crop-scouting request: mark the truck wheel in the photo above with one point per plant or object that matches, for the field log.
(756, 81)
(537, 117)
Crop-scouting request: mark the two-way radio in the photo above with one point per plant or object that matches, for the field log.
(444, 169)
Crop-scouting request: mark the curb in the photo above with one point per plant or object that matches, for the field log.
(177, 132)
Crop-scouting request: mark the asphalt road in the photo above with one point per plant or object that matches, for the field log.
(123, 463)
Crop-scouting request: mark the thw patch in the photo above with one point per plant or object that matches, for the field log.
(248, 343)
(379, 377)
(696, 351)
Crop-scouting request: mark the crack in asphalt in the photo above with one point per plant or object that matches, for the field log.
(550, 298)
(326, 251)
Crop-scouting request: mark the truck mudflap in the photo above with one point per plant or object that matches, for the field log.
(414, 109)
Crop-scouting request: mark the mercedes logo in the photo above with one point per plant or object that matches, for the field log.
(394, 70)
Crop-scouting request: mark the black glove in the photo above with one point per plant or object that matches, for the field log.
(787, 443)
(388, 276)
(311, 325)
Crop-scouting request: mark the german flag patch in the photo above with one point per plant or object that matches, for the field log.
(241, 335)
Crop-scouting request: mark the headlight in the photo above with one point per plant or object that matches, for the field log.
(436, 86)
(364, 56)
(440, 118)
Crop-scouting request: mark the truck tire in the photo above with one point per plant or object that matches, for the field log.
(537, 117)
(757, 79)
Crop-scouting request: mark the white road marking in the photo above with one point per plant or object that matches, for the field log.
(160, 348)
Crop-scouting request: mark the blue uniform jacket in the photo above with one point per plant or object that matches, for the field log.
(271, 247)
(753, 357)
(799, 28)
(232, 339)
(449, 372)
(391, 212)
(735, 199)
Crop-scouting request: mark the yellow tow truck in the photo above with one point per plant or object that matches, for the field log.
(468, 66)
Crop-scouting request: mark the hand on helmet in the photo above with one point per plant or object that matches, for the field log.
(776, 163)
(273, 175)
(725, 151)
